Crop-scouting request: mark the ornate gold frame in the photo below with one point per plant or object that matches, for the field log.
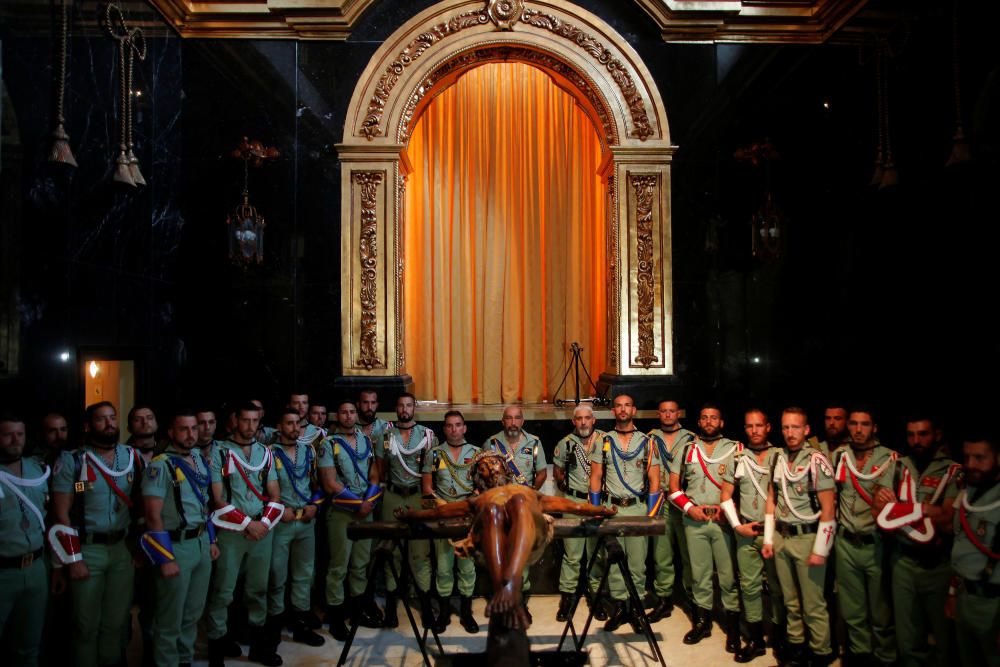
(585, 56)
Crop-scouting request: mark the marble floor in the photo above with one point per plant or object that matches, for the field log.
(397, 648)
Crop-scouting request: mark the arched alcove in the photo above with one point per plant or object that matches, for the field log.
(588, 59)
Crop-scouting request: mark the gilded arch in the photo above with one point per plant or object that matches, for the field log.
(587, 58)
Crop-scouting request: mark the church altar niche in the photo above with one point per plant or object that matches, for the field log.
(584, 57)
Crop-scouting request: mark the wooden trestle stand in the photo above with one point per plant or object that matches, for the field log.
(391, 535)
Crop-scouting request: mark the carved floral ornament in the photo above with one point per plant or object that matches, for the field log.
(505, 15)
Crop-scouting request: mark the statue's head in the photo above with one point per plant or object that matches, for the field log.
(488, 471)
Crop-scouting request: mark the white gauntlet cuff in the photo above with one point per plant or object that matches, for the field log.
(729, 507)
(768, 529)
(825, 533)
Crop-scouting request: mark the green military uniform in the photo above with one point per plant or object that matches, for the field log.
(974, 558)
(920, 567)
(625, 486)
(102, 515)
(405, 462)
(293, 553)
(663, 545)
(524, 459)
(571, 456)
(376, 430)
(24, 584)
(450, 476)
(185, 489)
(708, 541)
(236, 552)
(751, 480)
(861, 586)
(348, 558)
(798, 477)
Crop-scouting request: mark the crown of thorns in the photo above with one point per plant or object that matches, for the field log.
(480, 456)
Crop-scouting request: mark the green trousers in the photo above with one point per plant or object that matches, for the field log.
(419, 550)
(664, 552)
(635, 553)
(23, 594)
(236, 552)
(347, 558)
(709, 543)
(753, 568)
(293, 556)
(576, 552)
(101, 605)
(447, 563)
(180, 601)
(918, 598)
(802, 589)
(977, 622)
(864, 599)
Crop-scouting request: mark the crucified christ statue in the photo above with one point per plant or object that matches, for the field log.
(510, 530)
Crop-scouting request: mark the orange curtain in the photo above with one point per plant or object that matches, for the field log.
(504, 240)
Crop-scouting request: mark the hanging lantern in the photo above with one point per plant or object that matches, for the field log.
(245, 224)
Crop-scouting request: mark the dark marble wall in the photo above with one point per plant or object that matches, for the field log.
(881, 295)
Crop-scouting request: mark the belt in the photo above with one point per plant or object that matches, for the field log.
(790, 529)
(20, 562)
(582, 495)
(404, 491)
(624, 502)
(300, 515)
(114, 537)
(857, 539)
(981, 588)
(189, 534)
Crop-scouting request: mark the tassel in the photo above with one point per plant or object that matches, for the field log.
(60, 151)
(122, 172)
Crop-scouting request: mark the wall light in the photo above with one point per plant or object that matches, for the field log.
(64, 356)
(94, 369)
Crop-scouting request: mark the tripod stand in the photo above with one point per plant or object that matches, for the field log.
(575, 364)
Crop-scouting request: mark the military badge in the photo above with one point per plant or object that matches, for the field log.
(152, 472)
(722, 468)
(930, 481)
(526, 451)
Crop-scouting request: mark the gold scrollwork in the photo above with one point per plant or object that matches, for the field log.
(493, 53)
(368, 250)
(645, 192)
(614, 276)
(505, 13)
(640, 120)
(406, 57)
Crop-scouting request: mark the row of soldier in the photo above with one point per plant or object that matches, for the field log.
(773, 511)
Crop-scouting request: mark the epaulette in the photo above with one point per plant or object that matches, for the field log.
(158, 458)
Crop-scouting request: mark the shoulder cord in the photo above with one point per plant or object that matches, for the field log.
(397, 449)
(293, 470)
(234, 460)
(746, 468)
(784, 476)
(581, 460)
(847, 469)
(196, 480)
(509, 460)
(355, 456)
(628, 457)
(963, 515)
(13, 482)
(455, 476)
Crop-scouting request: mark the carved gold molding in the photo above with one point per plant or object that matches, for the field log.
(478, 56)
(802, 21)
(368, 252)
(645, 190)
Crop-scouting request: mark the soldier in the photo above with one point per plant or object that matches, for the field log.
(914, 502)
(402, 451)
(179, 540)
(245, 493)
(748, 480)
(802, 497)
(446, 479)
(293, 554)
(571, 467)
(317, 416)
(92, 489)
(525, 459)
(55, 439)
(207, 443)
(266, 435)
(834, 429)
(625, 472)
(369, 422)
(349, 474)
(861, 587)
(299, 401)
(24, 586)
(670, 438)
(142, 429)
(695, 488)
(974, 596)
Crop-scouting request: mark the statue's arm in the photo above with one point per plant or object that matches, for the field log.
(452, 510)
(566, 506)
